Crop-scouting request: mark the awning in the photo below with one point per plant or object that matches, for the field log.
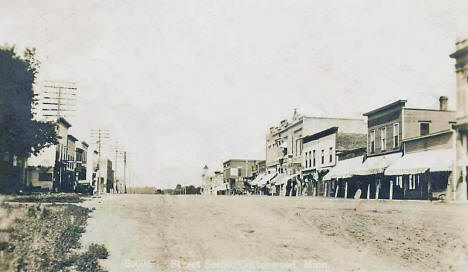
(278, 179)
(266, 179)
(257, 179)
(376, 165)
(344, 168)
(439, 160)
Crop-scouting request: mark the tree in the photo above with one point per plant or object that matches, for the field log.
(178, 189)
(20, 135)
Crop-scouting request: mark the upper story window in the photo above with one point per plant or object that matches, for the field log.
(314, 158)
(372, 141)
(331, 154)
(396, 135)
(424, 128)
(383, 138)
(323, 156)
(306, 160)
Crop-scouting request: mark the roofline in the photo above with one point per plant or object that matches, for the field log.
(69, 136)
(430, 110)
(335, 118)
(63, 121)
(351, 150)
(320, 134)
(459, 52)
(396, 103)
(242, 160)
(312, 117)
(428, 135)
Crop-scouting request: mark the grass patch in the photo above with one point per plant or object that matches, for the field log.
(48, 198)
(46, 239)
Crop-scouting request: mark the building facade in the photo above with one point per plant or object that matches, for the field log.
(388, 127)
(237, 173)
(284, 146)
(458, 186)
(47, 170)
(322, 150)
(70, 181)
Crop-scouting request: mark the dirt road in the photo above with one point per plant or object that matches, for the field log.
(253, 233)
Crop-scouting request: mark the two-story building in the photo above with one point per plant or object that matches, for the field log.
(458, 186)
(323, 150)
(238, 174)
(105, 177)
(47, 170)
(388, 127)
(81, 168)
(70, 182)
(284, 145)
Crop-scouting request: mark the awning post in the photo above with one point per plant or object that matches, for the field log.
(368, 191)
(391, 189)
(346, 190)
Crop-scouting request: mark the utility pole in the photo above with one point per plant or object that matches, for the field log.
(118, 152)
(57, 100)
(125, 174)
(100, 135)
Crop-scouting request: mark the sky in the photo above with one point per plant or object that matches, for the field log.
(181, 84)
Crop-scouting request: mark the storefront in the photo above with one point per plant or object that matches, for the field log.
(421, 175)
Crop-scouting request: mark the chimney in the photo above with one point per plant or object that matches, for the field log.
(443, 103)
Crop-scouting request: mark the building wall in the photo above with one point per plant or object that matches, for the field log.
(71, 152)
(291, 134)
(438, 121)
(458, 185)
(324, 143)
(384, 119)
(35, 181)
(437, 141)
(238, 170)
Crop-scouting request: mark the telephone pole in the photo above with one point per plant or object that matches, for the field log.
(125, 172)
(57, 100)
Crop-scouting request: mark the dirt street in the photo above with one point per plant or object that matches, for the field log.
(258, 233)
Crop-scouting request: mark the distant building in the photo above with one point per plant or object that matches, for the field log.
(238, 173)
(458, 187)
(69, 184)
(47, 170)
(105, 176)
(213, 183)
(95, 169)
(81, 169)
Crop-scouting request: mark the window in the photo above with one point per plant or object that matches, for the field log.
(306, 159)
(331, 154)
(314, 158)
(424, 128)
(396, 135)
(310, 159)
(413, 180)
(383, 138)
(323, 156)
(372, 141)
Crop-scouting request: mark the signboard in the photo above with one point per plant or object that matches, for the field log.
(234, 172)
